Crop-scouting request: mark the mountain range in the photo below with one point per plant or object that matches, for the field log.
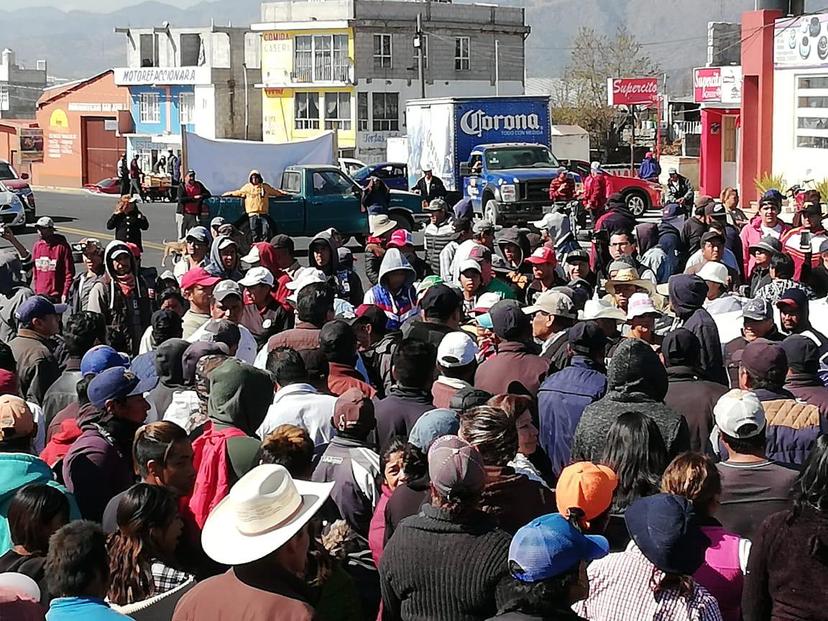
(674, 32)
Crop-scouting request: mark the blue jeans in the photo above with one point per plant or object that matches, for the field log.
(259, 227)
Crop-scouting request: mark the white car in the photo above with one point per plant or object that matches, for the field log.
(349, 165)
(12, 212)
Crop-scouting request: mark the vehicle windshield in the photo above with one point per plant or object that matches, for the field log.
(7, 172)
(361, 174)
(520, 157)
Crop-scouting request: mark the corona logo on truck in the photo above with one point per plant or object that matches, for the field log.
(475, 122)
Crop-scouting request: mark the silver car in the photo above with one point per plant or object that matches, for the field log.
(12, 212)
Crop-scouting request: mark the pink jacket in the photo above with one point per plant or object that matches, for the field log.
(211, 465)
(376, 530)
(752, 233)
(722, 572)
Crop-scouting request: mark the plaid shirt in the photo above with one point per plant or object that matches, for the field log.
(166, 578)
(619, 590)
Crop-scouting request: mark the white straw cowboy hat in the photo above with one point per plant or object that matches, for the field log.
(628, 276)
(381, 224)
(262, 512)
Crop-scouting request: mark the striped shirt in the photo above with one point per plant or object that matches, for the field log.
(620, 590)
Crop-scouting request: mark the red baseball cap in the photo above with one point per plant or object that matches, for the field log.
(134, 249)
(198, 276)
(543, 255)
(400, 239)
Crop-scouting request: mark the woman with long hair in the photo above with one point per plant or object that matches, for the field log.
(636, 453)
(531, 459)
(696, 477)
(142, 550)
(788, 565)
(35, 512)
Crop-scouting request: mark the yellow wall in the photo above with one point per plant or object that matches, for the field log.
(278, 123)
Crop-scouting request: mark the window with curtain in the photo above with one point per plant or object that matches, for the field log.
(322, 58)
(150, 108)
(306, 110)
(362, 111)
(386, 112)
(303, 59)
(337, 111)
(340, 58)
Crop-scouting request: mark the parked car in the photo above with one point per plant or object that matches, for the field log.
(349, 165)
(19, 184)
(394, 174)
(639, 195)
(110, 185)
(319, 197)
(12, 210)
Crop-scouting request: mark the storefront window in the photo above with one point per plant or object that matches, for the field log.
(811, 131)
(307, 110)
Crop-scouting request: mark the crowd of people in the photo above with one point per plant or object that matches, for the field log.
(508, 426)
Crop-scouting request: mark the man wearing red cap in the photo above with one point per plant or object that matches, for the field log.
(544, 264)
(197, 287)
(404, 242)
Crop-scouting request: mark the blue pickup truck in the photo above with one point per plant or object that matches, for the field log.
(509, 183)
(320, 197)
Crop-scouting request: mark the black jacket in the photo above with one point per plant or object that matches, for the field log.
(694, 398)
(437, 190)
(183, 198)
(442, 569)
(397, 413)
(128, 226)
(63, 391)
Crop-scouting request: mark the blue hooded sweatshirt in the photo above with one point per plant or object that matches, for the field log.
(18, 470)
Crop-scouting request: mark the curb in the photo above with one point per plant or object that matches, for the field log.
(53, 188)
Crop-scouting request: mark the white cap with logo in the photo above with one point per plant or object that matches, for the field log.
(457, 349)
(739, 414)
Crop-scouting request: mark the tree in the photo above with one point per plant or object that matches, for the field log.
(581, 99)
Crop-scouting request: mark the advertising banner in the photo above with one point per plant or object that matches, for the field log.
(717, 85)
(31, 144)
(801, 42)
(632, 91)
(224, 165)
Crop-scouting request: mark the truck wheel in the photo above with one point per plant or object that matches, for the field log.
(491, 211)
(404, 221)
(637, 203)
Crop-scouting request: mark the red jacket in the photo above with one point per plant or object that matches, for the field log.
(561, 189)
(54, 267)
(595, 191)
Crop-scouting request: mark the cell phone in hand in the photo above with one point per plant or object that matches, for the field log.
(805, 241)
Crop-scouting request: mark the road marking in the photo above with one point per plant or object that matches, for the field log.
(98, 235)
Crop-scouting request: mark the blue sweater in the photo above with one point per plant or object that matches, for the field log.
(82, 609)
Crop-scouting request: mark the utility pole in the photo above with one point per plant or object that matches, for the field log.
(632, 140)
(418, 45)
(497, 67)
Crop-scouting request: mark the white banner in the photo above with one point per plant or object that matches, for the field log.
(223, 165)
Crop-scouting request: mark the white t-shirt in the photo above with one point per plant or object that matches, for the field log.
(247, 344)
(774, 232)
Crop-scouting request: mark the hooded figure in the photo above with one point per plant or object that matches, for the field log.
(256, 203)
(515, 237)
(13, 290)
(636, 382)
(123, 300)
(347, 282)
(216, 266)
(650, 252)
(168, 367)
(687, 296)
(617, 217)
(239, 398)
(394, 295)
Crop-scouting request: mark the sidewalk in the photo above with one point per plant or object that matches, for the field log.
(52, 188)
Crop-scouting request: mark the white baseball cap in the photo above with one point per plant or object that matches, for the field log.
(736, 409)
(641, 304)
(304, 277)
(601, 309)
(45, 222)
(457, 349)
(226, 288)
(470, 264)
(553, 303)
(713, 271)
(257, 276)
(252, 257)
(544, 222)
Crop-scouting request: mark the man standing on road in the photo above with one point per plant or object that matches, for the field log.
(37, 368)
(82, 284)
(54, 267)
(256, 194)
(128, 222)
(679, 189)
(429, 187)
(135, 175)
(174, 171)
(122, 172)
(191, 197)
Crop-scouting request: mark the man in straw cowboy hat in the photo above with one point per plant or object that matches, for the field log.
(260, 530)
(623, 282)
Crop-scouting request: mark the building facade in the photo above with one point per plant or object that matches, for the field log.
(83, 123)
(20, 88)
(351, 65)
(198, 78)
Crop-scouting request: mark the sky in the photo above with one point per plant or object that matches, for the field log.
(97, 6)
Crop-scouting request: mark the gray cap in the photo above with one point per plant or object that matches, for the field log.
(483, 226)
(223, 331)
(455, 466)
(225, 288)
(432, 425)
(757, 309)
(769, 244)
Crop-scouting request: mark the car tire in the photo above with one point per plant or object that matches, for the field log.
(491, 212)
(637, 202)
(403, 220)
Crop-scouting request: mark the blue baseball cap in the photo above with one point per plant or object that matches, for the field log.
(549, 546)
(100, 358)
(115, 383)
(37, 307)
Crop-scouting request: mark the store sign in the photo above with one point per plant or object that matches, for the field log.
(717, 85)
(800, 42)
(31, 144)
(129, 76)
(632, 91)
(97, 107)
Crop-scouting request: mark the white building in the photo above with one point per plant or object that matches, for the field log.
(20, 88)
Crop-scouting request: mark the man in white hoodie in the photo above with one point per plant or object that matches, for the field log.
(296, 401)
